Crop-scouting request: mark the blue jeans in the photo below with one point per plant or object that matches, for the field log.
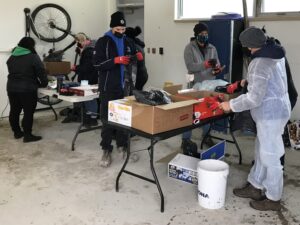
(188, 134)
(91, 108)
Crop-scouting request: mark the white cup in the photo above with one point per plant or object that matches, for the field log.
(84, 83)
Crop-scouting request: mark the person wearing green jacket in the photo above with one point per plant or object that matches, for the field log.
(26, 73)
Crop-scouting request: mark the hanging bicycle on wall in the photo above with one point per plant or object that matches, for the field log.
(50, 23)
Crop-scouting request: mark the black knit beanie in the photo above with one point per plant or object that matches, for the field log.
(28, 43)
(117, 20)
(133, 32)
(199, 27)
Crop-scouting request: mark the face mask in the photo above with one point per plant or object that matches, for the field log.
(118, 35)
(203, 39)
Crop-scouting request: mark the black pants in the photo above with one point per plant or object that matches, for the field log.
(19, 101)
(107, 133)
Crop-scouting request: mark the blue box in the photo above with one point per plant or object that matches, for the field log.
(215, 152)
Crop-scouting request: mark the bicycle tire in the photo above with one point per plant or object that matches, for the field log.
(44, 15)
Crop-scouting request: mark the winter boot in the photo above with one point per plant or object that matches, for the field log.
(249, 191)
(266, 205)
(18, 134)
(106, 159)
(31, 138)
(133, 156)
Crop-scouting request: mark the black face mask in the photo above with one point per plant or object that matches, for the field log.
(203, 39)
(118, 35)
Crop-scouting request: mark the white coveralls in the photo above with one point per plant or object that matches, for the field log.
(268, 101)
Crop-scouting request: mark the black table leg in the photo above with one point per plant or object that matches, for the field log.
(79, 127)
(48, 100)
(205, 136)
(237, 147)
(162, 204)
(125, 163)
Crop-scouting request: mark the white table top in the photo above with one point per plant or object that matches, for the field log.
(73, 98)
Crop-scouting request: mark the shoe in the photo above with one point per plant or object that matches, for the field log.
(209, 142)
(249, 191)
(133, 156)
(106, 159)
(266, 205)
(31, 138)
(93, 122)
(189, 148)
(19, 134)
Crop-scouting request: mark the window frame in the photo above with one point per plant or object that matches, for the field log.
(258, 15)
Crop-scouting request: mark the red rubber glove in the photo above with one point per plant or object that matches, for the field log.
(214, 106)
(73, 68)
(233, 87)
(139, 56)
(211, 63)
(122, 60)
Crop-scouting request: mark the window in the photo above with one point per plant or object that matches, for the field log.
(200, 9)
(195, 9)
(278, 8)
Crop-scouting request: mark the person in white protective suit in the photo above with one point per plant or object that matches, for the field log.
(268, 101)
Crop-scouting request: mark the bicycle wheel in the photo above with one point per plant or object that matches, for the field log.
(50, 22)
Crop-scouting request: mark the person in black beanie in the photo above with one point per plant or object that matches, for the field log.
(141, 70)
(26, 73)
(201, 60)
(111, 56)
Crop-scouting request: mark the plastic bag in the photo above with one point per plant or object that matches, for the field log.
(152, 97)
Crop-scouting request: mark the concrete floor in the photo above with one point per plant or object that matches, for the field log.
(45, 183)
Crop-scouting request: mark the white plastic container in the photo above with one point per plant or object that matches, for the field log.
(212, 182)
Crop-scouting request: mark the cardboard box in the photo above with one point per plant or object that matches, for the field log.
(120, 111)
(85, 90)
(184, 168)
(202, 109)
(57, 68)
(152, 119)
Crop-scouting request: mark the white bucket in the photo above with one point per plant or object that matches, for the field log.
(212, 180)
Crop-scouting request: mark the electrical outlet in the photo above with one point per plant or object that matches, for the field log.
(161, 50)
(153, 50)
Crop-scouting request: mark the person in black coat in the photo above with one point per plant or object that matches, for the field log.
(112, 55)
(86, 71)
(26, 73)
(141, 70)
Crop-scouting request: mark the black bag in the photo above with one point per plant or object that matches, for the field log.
(153, 97)
(243, 121)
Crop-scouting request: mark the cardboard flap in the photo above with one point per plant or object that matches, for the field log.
(173, 89)
(175, 105)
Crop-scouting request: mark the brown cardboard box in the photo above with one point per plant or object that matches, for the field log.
(152, 119)
(57, 68)
(175, 89)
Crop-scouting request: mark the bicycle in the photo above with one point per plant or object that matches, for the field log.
(50, 23)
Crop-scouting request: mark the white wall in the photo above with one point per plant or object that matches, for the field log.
(162, 31)
(89, 16)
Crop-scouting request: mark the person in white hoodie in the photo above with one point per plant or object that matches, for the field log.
(268, 101)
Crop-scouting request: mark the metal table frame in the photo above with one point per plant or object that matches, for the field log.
(155, 138)
(72, 99)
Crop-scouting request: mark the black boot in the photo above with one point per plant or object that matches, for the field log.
(18, 134)
(189, 148)
(31, 138)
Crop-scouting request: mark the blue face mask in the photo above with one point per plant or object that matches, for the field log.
(203, 39)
